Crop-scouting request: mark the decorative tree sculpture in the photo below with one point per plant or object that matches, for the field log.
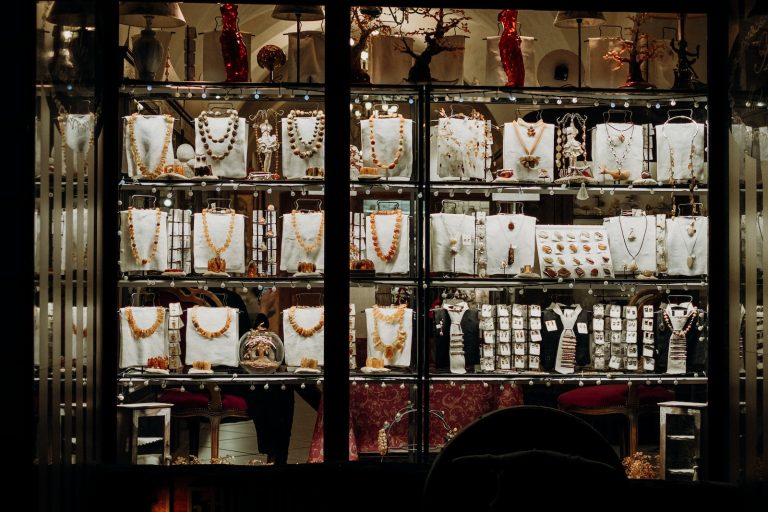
(635, 52)
(444, 20)
(366, 21)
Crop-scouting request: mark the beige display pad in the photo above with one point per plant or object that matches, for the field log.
(387, 137)
(681, 245)
(499, 237)
(627, 155)
(295, 167)
(149, 131)
(298, 346)
(135, 351)
(556, 244)
(144, 226)
(461, 149)
(385, 228)
(291, 253)
(543, 149)
(223, 350)
(680, 137)
(388, 333)
(624, 249)
(235, 163)
(218, 226)
(443, 228)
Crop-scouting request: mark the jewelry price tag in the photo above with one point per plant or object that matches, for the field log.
(174, 336)
(598, 324)
(615, 324)
(535, 349)
(174, 350)
(517, 322)
(550, 325)
(535, 335)
(631, 337)
(598, 310)
(175, 322)
(519, 336)
(503, 337)
(599, 337)
(581, 328)
(518, 310)
(504, 323)
(505, 349)
(678, 312)
(174, 309)
(535, 310)
(614, 311)
(647, 324)
(647, 351)
(519, 349)
(630, 312)
(466, 239)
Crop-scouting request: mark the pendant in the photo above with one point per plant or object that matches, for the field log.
(511, 226)
(454, 246)
(252, 271)
(217, 264)
(531, 131)
(691, 229)
(389, 352)
(529, 161)
(510, 255)
(632, 267)
(621, 137)
(632, 237)
(690, 261)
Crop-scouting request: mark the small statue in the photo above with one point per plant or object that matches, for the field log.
(266, 145)
(685, 76)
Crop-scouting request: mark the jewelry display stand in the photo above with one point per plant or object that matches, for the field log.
(223, 138)
(179, 228)
(264, 242)
(529, 150)
(212, 335)
(388, 332)
(388, 144)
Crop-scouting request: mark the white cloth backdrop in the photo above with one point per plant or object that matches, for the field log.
(312, 57)
(680, 135)
(297, 346)
(144, 221)
(388, 333)
(680, 246)
(291, 252)
(445, 226)
(460, 143)
(631, 158)
(149, 132)
(499, 237)
(294, 167)
(387, 135)
(385, 228)
(218, 226)
(544, 150)
(136, 351)
(224, 350)
(234, 165)
(644, 245)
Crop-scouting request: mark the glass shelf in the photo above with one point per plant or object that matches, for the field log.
(548, 379)
(226, 91)
(219, 282)
(475, 187)
(557, 284)
(236, 376)
(222, 184)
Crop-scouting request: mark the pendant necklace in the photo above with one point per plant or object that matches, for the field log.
(529, 160)
(453, 238)
(691, 231)
(632, 267)
(672, 152)
(621, 138)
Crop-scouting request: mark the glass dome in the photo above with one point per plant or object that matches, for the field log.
(261, 351)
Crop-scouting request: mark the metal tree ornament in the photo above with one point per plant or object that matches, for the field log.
(444, 20)
(366, 21)
(635, 52)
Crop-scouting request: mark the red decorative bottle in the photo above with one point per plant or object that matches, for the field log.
(233, 48)
(509, 49)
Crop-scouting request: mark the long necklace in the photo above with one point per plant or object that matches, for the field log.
(139, 332)
(134, 147)
(529, 160)
(633, 263)
(621, 139)
(689, 320)
(217, 263)
(309, 249)
(691, 232)
(79, 124)
(400, 143)
(210, 334)
(230, 135)
(294, 134)
(395, 234)
(304, 331)
(672, 153)
(132, 235)
(453, 238)
(511, 247)
(399, 342)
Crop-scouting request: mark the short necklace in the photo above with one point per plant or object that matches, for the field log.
(528, 160)
(400, 143)
(79, 124)
(132, 235)
(136, 154)
(621, 138)
(303, 331)
(395, 234)
(217, 263)
(682, 333)
(210, 334)
(691, 231)
(309, 249)
(139, 332)
(633, 263)
(294, 134)
(230, 134)
(399, 342)
(672, 153)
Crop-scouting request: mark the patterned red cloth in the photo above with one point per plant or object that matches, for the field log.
(611, 395)
(371, 407)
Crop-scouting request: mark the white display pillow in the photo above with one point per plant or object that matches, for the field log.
(135, 351)
(150, 132)
(680, 135)
(236, 162)
(499, 238)
(218, 226)
(443, 227)
(629, 151)
(643, 247)
(298, 346)
(544, 149)
(385, 228)
(387, 137)
(680, 245)
(291, 253)
(461, 149)
(295, 167)
(388, 333)
(223, 350)
(144, 224)
(388, 63)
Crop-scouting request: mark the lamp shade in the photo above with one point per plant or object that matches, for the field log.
(163, 14)
(294, 12)
(73, 13)
(674, 15)
(570, 19)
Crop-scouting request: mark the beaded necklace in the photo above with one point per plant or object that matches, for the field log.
(134, 147)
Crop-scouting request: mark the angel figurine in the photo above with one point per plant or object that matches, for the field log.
(571, 149)
(266, 145)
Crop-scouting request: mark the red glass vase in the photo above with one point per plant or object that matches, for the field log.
(509, 49)
(233, 48)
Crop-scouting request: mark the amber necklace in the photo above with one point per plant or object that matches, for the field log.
(210, 334)
(295, 138)
(303, 331)
(681, 333)
(217, 264)
(399, 342)
(672, 152)
(132, 235)
(309, 249)
(139, 332)
(395, 234)
(136, 154)
(400, 143)
(528, 160)
(231, 133)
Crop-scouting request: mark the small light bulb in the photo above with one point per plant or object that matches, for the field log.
(368, 105)
(613, 104)
(574, 100)
(673, 102)
(559, 101)
(168, 202)
(626, 104)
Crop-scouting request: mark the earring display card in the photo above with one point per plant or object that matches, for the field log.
(264, 241)
(574, 252)
(352, 338)
(179, 228)
(357, 246)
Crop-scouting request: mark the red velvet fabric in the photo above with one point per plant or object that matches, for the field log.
(196, 400)
(370, 407)
(611, 395)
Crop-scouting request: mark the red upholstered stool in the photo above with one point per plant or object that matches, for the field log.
(211, 405)
(629, 401)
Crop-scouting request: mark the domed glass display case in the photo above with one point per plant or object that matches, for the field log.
(261, 351)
